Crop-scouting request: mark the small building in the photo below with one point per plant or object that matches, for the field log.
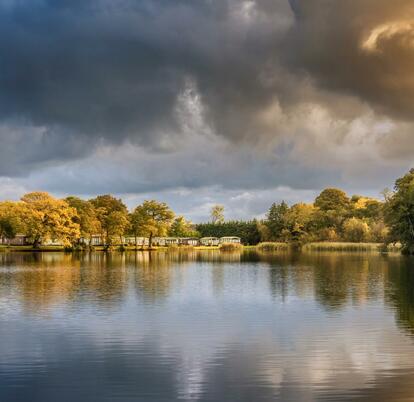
(169, 241)
(18, 240)
(230, 239)
(96, 240)
(210, 241)
(189, 241)
(158, 241)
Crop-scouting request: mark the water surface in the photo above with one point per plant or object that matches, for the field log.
(205, 326)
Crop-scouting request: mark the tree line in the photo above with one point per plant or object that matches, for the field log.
(333, 216)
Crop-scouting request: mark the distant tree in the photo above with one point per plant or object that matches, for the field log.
(48, 218)
(86, 217)
(112, 215)
(152, 218)
(247, 231)
(276, 220)
(399, 212)
(332, 199)
(11, 219)
(333, 208)
(182, 228)
(356, 230)
(298, 222)
(217, 214)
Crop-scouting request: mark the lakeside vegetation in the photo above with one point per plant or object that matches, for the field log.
(333, 221)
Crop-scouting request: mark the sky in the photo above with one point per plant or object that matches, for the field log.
(237, 102)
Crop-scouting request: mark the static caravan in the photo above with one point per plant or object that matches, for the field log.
(97, 240)
(158, 241)
(209, 241)
(52, 242)
(189, 241)
(230, 239)
(18, 240)
(171, 241)
(129, 240)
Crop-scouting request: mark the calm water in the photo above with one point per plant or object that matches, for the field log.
(206, 326)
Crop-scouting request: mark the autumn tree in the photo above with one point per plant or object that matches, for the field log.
(11, 219)
(217, 214)
(112, 215)
(152, 218)
(48, 218)
(86, 217)
(356, 230)
(182, 228)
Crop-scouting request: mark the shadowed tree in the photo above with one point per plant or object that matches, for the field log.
(112, 215)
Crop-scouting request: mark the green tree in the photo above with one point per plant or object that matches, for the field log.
(182, 228)
(333, 207)
(112, 215)
(276, 220)
(399, 212)
(217, 214)
(48, 218)
(332, 199)
(152, 218)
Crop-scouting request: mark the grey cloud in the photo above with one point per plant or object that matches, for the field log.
(364, 48)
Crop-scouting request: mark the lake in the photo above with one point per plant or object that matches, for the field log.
(206, 326)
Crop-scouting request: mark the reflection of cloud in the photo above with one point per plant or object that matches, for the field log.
(201, 342)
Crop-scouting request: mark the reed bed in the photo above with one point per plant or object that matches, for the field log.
(230, 247)
(272, 246)
(343, 246)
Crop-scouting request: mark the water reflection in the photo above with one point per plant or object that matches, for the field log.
(205, 326)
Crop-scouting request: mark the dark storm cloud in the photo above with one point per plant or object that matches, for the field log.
(113, 69)
(250, 94)
(359, 47)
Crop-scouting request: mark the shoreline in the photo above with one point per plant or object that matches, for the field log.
(282, 247)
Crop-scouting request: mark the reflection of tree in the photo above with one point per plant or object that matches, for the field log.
(41, 279)
(400, 290)
(340, 278)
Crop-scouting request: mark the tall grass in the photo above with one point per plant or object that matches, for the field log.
(343, 246)
(230, 247)
(272, 246)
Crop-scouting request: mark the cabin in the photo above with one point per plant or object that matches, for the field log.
(230, 239)
(189, 241)
(210, 241)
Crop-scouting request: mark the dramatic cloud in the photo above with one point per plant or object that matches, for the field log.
(238, 97)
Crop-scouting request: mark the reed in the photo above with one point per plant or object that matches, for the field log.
(272, 246)
(343, 246)
(230, 247)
